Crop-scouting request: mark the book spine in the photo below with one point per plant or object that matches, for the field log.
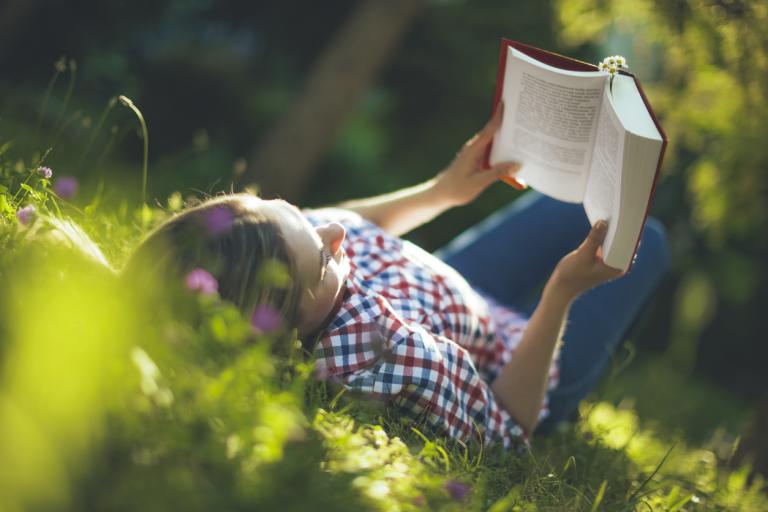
(505, 43)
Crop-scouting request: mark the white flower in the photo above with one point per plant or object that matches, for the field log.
(612, 64)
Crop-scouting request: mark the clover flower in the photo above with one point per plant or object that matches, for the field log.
(320, 372)
(45, 172)
(265, 318)
(218, 220)
(66, 187)
(200, 280)
(457, 490)
(25, 215)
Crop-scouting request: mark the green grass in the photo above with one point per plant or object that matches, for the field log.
(111, 403)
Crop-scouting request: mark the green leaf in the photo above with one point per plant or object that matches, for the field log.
(5, 206)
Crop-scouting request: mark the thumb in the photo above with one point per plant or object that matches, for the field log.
(596, 236)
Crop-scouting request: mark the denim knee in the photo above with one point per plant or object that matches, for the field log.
(654, 246)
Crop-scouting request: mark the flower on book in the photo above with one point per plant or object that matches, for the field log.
(612, 64)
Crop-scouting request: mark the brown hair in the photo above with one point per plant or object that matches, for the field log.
(237, 244)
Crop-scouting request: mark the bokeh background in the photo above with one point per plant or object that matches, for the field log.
(318, 102)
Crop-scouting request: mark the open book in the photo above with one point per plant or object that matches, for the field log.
(579, 140)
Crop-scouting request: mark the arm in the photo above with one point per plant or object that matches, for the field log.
(464, 179)
(521, 384)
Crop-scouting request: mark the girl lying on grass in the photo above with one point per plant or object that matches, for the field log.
(460, 338)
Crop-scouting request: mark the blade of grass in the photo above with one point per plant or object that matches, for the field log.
(650, 477)
(600, 494)
(145, 135)
(58, 68)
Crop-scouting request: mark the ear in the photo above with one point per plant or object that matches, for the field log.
(336, 244)
(332, 234)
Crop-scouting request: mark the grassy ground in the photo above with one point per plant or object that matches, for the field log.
(111, 402)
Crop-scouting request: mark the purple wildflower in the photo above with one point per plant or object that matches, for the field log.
(26, 214)
(320, 372)
(457, 490)
(199, 280)
(45, 172)
(265, 318)
(66, 187)
(218, 219)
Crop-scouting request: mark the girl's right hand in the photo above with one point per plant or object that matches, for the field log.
(583, 268)
(464, 178)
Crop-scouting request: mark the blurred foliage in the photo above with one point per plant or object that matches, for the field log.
(705, 64)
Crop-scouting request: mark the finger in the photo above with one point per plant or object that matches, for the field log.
(492, 126)
(506, 169)
(484, 177)
(498, 171)
(596, 236)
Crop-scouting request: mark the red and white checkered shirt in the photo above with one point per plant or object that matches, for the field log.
(412, 331)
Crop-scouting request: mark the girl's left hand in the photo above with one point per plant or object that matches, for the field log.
(583, 268)
(464, 178)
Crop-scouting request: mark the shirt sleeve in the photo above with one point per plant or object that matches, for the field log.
(431, 377)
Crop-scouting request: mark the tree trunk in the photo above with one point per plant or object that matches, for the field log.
(13, 17)
(284, 162)
(753, 447)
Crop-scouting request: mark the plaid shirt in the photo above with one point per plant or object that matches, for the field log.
(412, 331)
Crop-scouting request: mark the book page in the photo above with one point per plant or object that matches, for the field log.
(549, 124)
(605, 168)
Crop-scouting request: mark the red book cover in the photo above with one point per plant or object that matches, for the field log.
(568, 63)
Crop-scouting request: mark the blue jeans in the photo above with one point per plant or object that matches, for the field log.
(511, 254)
